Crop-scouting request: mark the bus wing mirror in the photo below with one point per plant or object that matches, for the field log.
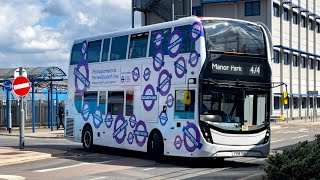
(187, 97)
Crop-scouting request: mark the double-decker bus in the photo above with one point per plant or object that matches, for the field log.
(194, 87)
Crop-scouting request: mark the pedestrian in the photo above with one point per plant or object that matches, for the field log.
(61, 113)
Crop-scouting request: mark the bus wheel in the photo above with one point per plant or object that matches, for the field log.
(157, 147)
(87, 138)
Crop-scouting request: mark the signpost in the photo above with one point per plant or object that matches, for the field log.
(21, 86)
(8, 88)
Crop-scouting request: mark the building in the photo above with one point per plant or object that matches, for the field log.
(295, 28)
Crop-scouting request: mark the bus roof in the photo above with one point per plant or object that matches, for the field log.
(179, 22)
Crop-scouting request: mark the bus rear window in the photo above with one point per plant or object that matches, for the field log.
(76, 54)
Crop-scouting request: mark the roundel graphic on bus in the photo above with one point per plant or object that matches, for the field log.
(164, 82)
(178, 142)
(120, 129)
(193, 59)
(132, 121)
(81, 73)
(130, 138)
(97, 118)
(148, 97)
(175, 43)
(85, 111)
(158, 60)
(135, 74)
(108, 120)
(147, 74)
(180, 67)
(170, 100)
(196, 31)
(158, 39)
(191, 137)
(141, 133)
(163, 118)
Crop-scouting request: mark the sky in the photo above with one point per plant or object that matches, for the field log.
(40, 33)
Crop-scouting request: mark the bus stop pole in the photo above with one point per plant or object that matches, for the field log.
(21, 117)
(9, 120)
(51, 106)
(57, 109)
(33, 108)
(49, 109)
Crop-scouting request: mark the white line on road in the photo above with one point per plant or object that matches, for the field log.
(251, 176)
(12, 177)
(102, 177)
(277, 140)
(147, 169)
(299, 137)
(20, 86)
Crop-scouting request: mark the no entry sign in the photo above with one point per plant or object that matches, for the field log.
(21, 86)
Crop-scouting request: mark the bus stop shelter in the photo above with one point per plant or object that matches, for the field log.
(46, 77)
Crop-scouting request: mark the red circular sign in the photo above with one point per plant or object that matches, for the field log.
(21, 86)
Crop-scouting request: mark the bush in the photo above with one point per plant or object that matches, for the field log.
(301, 162)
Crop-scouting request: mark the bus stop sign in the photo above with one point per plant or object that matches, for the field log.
(8, 85)
(21, 86)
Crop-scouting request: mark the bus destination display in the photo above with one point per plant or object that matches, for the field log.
(236, 68)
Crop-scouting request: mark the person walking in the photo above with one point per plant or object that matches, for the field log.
(61, 113)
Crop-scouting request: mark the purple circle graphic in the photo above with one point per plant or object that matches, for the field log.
(85, 111)
(196, 31)
(178, 142)
(175, 43)
(141, 132)
(164, 84)
(180, 67)
(84, 79)
(193, 58)
(97, 116)
(163, 118)
(132, 121)
(158, 60)
(148, 97)
(119, 129)
(108, 120)
(158, 40)
(135, 74)
(195, 140)
(130, 138)
(146, 74)
(170, 100)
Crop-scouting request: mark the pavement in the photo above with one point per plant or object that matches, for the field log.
(11, 155)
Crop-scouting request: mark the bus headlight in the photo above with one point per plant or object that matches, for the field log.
(205, 129)
(267, 137)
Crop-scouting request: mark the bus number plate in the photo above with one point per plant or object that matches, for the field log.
(239, 153)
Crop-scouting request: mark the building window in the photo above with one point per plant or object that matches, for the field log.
(276, 8)
(303, 62)
(196, 11)
(276, 56)
(94, 49)
(295, 60)
(181, 110)
(252, 8)
(318, 103)
(115, 102)
(285, 14)
(295, 18)
(105, 50)
(304, 102)
(286, 106)
(285, 58)
(318, 65)
(311, 102)
(311, 64)
(318, 27)
(295, 103)
(119, 48)
(303, 21)
(311, 24)
(138, 45)
(276, 102)
(129, 103)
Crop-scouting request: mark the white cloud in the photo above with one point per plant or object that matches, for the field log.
(40, 33)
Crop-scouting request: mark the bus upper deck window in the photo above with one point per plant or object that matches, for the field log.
(138, 45)
(105, 50)
(187, 44)
(76, 54)
(94, 49)
(157, 36)
(119, 48)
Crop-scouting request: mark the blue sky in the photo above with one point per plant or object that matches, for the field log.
(40, 32)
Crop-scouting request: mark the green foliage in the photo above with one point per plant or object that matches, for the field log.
(301, 162)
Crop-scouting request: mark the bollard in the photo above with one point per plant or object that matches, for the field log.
(287, 117)
(305, 116)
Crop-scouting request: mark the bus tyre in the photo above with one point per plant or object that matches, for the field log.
(157, 147)
(87, 138)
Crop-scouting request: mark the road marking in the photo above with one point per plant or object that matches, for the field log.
(253, 175)
(12, 177)
(195, 173)
(71, 166)
(147, 169)
(102, 177)
(277, 140)
(299, 137)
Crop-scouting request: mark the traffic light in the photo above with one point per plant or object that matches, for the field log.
(285, 97)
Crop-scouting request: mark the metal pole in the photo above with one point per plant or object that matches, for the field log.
(287, 116)
(9, 119)
(51, 106)
(21, 117)
(33, 108)
(49, 110)
(190, 7)
(57, 109)
(172, 10)
(132, 15)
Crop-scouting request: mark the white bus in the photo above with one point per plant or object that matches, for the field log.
(195, 87)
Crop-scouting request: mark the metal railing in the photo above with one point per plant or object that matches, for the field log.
(311, 114)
